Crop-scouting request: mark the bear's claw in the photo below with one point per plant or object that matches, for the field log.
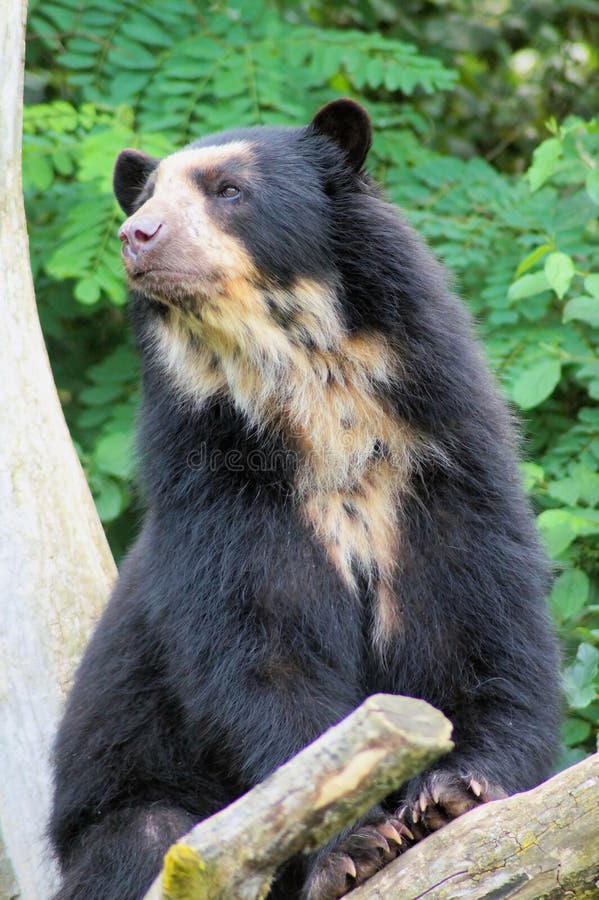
(357, 857)
(443, 796)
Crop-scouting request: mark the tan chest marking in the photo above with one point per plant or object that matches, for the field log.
(321, 388)
(193, 367)
(358, 528)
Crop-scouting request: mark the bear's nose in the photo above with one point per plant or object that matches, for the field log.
(140, 234)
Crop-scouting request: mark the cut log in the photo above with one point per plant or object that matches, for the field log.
(321, 790)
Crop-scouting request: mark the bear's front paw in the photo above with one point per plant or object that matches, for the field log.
(442, 796)
(356, 857)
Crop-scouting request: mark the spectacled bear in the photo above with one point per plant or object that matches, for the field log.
(333, 509)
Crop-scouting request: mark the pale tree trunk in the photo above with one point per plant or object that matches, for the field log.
(55, 565)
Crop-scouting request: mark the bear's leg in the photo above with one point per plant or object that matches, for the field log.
(118, 857)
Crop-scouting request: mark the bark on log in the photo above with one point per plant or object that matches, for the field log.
(540, 844)
(321, 790)
(55, 565)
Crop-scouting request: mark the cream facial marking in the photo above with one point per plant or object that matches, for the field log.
(177, 164)
(186, 255)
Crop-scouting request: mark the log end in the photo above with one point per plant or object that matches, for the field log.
(417, 720)
(185, 875)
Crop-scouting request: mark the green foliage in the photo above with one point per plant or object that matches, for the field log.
(522, 248)
(518, 64)
(525, 252)
(171, 62)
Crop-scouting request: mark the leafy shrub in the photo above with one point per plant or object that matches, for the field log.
(525, 252)
(522, 249)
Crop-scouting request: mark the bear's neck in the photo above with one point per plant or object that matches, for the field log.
(325, 399)
(320, 389)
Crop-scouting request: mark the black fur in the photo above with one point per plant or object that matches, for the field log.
(230, 641)
(130, 176)
(347, 124)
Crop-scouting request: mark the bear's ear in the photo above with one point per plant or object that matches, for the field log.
(131, 172)
(347, 124)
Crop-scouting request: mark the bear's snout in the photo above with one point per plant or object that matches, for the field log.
(140, 234)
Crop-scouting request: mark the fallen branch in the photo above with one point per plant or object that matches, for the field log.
(321, 790)
(540, 844)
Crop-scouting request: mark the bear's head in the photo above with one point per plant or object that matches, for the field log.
(237, 209)
(261, 262)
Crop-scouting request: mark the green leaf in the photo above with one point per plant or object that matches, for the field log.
(544, 161)
(529, 261)
(559, 527)
(566, 489)
(583, 308)
(87, 291)
(570, 593)
(62, 162)
(580, 679)
(108, 498)
(91, 418)
(146, 32)
(575, 731)
(37, 170)
(119, 366)
(592, 185)
(77, 61)
(536, 383)
(131, 55)
(591, 284)
(528, 286)
(532, 475)
(559, 270)
(111, 283)
(588, 484)
(100, 394)
(114, 454)
(569, 756)
(558, 530)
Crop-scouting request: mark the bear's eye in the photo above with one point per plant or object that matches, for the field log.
(229, 192)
